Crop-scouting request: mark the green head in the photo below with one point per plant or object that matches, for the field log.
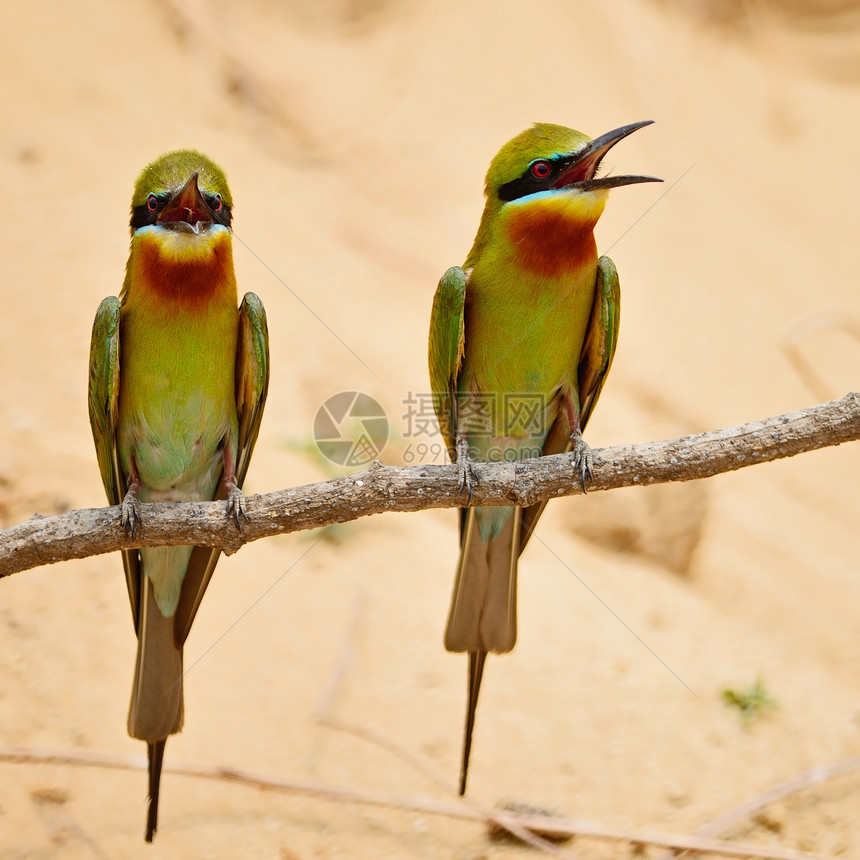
(549, 168)
(542, 140)
(549, 157)
(183, 187)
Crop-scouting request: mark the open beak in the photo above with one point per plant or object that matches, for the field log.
(186, 208)
(580, 172)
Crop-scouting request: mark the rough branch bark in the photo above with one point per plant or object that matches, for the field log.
(92, 531)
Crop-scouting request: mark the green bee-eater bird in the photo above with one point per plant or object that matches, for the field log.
(177, 384)
(521, 340)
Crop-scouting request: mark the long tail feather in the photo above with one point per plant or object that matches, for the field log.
(156, 708)
(476, 673)
(156, 758)
(483, 615)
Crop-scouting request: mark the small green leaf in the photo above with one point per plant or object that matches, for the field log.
(752, 703)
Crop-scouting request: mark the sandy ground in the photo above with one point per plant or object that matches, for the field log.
(355, 136)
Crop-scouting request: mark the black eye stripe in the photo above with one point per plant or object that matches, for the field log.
(224, 215)
(528, 183)
(141, 216)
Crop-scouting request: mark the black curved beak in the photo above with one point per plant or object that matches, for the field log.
(580, 172)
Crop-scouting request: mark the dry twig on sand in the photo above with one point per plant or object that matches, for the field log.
(559, 829)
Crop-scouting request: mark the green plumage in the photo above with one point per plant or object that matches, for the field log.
(177, 385)
(521, 340)
(177, 413)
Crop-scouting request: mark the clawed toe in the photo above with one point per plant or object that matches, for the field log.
(130, 513)
(582, 460)
(468, 472)
(236, 506)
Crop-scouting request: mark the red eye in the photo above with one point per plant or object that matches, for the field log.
(152, 203)
(541, 169)
(219, 205)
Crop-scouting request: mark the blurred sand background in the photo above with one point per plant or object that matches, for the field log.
(355, 135)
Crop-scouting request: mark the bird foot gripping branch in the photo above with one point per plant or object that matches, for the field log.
(236, 506)
(582, 460)
(467, 470)
(130, 510)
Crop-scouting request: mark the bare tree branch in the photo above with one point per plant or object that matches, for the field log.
(92, 531)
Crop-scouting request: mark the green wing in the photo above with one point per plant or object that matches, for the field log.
(103, 395)
(601, 338)
(447, 343)
(252, 386)
(252, 378)
(598, 349)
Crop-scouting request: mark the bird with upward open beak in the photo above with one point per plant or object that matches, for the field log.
(521, 341)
